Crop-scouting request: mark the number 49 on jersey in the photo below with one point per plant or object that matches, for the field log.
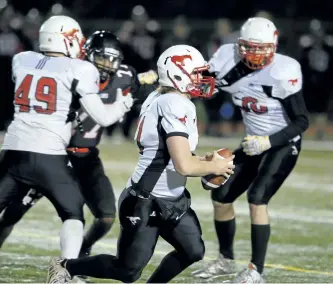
(45, 92)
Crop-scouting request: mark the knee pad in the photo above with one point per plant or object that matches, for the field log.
(197, 253)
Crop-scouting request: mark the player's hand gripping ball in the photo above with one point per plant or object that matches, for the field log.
(210, 182)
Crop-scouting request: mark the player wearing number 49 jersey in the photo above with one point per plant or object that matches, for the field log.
(50, 87)
(267, 87)
(102, 49)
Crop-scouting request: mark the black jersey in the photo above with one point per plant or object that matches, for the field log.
(88, 133)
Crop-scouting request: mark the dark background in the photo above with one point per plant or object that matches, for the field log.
(148, 27)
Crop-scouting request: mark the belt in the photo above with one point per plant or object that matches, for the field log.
(78, 150)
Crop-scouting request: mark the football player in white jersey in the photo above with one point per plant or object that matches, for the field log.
(155, 202)
(50, 86)
(267, 86)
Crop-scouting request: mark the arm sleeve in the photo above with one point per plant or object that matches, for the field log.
(174, 117)
(103, 115)
(295, 108)
(143, 92)
(140, 91)
(289, 92)
(135, 84)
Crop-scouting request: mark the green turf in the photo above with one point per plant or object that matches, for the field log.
(300, 250)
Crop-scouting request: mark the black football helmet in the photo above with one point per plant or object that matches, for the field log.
(103, 49)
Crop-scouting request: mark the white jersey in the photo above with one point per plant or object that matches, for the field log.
(45, 90)
(163, 116)
(257, 92)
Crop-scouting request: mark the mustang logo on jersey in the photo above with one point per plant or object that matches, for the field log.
(293, 81)
(183, 119)
(133, 219)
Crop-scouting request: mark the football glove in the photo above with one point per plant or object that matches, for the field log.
(255, 145)
(148, 77)
(127, 100)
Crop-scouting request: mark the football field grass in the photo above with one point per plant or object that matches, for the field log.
(301, 244)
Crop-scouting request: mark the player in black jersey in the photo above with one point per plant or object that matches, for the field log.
(103, 49)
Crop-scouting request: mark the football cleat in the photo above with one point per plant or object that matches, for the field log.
(57, 273)
(219, 267)
(248, 275)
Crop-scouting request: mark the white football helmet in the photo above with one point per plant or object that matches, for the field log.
(61, 34)
(257, 42)
(176, 67)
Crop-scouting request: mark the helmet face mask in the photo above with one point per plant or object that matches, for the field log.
(103, 50)
(257, 43)
(256, 55)
(201, 86)
(107, 65)
(181, 67)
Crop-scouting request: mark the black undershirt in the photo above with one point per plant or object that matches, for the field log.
(295, 108)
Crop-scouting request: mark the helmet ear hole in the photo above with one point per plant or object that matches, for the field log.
(178, 78)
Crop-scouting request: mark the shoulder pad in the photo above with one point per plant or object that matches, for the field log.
(287, 73)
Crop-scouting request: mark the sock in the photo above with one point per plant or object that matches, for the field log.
(99, 266)
(97, 230)
(259, 238)
(171, 265)
(71, 236)
(225, 231)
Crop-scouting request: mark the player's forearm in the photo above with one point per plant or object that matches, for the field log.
(194, 167)
(103, 115)
(199, 157)
(291, 131)
(296, 111)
